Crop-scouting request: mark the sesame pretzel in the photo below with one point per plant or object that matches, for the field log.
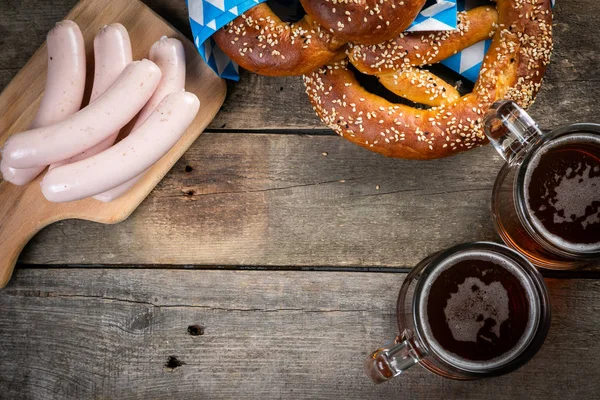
(512, 68)
(261, 43)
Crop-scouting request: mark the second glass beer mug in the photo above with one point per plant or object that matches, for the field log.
(473, 311)
(546, 199)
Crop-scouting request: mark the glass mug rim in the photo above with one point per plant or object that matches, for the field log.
(412, 341)
(519, 187)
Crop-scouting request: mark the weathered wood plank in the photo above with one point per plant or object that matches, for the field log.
(260, 103)
(93, 333)
(277, 200)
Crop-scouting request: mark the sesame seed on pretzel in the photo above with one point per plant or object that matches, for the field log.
(512, 68)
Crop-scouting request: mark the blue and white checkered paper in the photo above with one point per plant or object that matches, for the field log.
(436, 15)
(468, 62)
(207, 16)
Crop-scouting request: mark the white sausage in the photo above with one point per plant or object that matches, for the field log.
(65, 84)
(66, 74)
(169, 55)
(91, 125)
(112, 53)
(128, 158)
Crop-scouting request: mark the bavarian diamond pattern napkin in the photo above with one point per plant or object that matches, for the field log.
(437, 15)
(207, 16)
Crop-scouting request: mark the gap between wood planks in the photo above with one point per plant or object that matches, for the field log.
(592, 272)
(275, 131)
(282, 131)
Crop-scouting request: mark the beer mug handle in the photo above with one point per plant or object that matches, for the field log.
(511, 130)
(388, 362)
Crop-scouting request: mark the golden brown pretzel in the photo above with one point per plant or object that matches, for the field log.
(512, 68)
(260, 42)
(364, 21)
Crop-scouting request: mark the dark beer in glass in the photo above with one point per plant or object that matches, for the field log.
(473, 311)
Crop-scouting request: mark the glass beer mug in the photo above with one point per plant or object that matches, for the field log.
(546, 199)
(476, 310)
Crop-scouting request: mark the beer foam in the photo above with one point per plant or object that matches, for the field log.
(574, 193)
(569, 191)
(464, 308)
(475, 302)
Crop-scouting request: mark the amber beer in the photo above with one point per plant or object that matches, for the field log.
(473, 311)
(549, 207)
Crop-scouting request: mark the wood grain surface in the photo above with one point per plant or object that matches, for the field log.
(97, 333)
(289, 201)
(277, 200)
(103, 311)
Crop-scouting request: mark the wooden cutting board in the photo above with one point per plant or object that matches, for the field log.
(23, 209)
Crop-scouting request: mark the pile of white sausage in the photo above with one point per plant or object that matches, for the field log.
(78, 144)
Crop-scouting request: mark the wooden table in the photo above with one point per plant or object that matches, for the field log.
(266, 264)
